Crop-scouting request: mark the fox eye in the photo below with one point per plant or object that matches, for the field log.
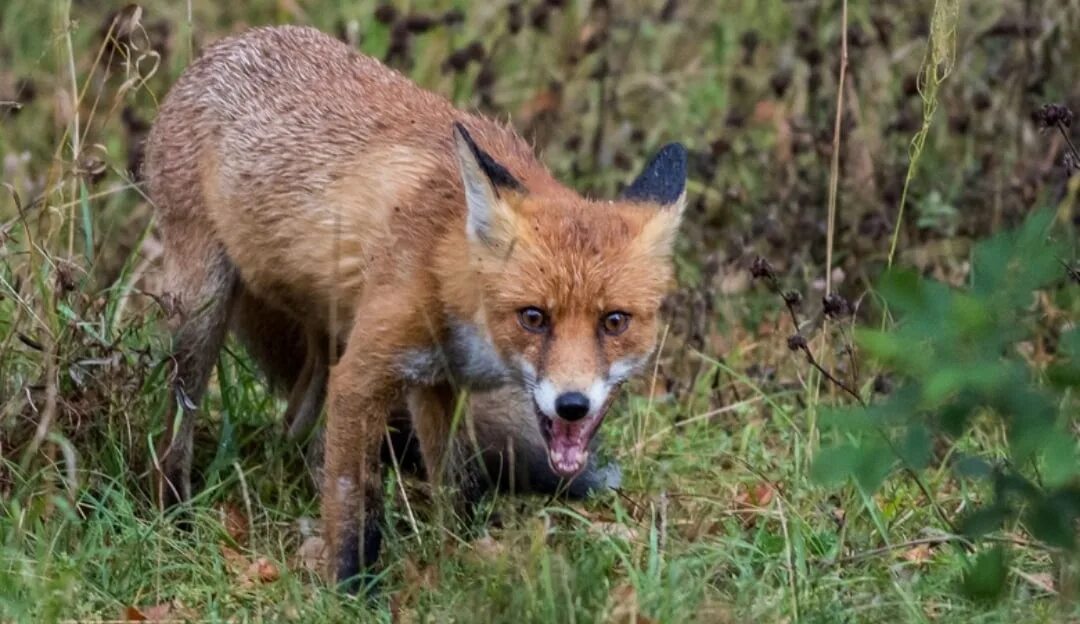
(533, 319)
(615, 323)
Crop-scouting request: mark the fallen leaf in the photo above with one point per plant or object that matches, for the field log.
(918, 554)
(1041, 580)
(416, 577)
(759, 495)
(262, 570)
(235, 522)
(248, 572)
(614, 529)
(752, 499)
(164, 612)
(487, 548)
(545, 102)
(623, 607)
(417, 582)
(312, 554)
(764, 111)
(233, 559)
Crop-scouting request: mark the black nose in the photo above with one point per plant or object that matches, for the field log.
(572, 406)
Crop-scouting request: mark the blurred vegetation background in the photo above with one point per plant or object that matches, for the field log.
(719, 519)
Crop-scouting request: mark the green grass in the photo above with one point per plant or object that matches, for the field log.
(718, 519)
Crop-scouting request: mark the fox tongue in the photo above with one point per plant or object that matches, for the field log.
(569, 446)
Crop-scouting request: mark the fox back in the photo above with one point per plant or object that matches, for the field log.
(310, 163)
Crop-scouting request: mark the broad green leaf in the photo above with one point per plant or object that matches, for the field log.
(1051, 523)
(985, 520)
(835, 465)
(1060, 464)
(873, 465)
(916, 447)
(985, 578)
(971, 467)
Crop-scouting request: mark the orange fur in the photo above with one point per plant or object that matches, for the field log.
(291, 171)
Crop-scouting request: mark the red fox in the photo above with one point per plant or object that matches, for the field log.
(423, 249)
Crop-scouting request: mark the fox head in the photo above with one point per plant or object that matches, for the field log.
(570, 288)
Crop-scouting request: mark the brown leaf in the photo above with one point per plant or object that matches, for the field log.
(752, 499)
(235, 522)
(763, 494)
(543, 103)
(417, 582)
(614, 529)
(919, 554)
(233, 559)
(312, 554)
(623, 607)
(759, 495)
(155, 613)
(262, 570)
(248, 572)
(765, 111)
(488, 549)
(1041, 580)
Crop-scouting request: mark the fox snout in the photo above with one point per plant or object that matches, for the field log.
(571, 401)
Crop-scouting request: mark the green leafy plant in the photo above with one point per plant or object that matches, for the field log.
(954, 355)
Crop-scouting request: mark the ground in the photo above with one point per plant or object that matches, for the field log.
(719, 518)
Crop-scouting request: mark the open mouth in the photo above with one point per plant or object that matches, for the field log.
(568, 441)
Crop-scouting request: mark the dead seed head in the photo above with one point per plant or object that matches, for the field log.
(761, 268)
(1051, 115)
(836, 306)
(385, 14)
(419, 23)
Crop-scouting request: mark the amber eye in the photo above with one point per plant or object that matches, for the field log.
(615, 323)
(533, 319)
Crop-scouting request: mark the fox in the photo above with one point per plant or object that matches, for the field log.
(501, 433)
(424, 250)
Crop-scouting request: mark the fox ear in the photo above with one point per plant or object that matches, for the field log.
(483, 178)
(663, 181)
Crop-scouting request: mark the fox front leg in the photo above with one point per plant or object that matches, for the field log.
(362, 393)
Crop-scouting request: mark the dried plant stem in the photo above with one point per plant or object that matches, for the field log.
(796, 342)
(76, 146)
(834, 169)
(937, 65)
(1072, 148)
(802, 346)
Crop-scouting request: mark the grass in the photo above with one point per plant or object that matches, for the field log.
(718, 519)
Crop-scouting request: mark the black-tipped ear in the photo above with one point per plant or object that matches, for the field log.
(499, 176)
(664, 178)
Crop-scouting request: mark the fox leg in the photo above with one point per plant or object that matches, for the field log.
(364, 388)
(202, 279)
(444, 451)
(430, 408)
(309, 393)
(289, 354)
